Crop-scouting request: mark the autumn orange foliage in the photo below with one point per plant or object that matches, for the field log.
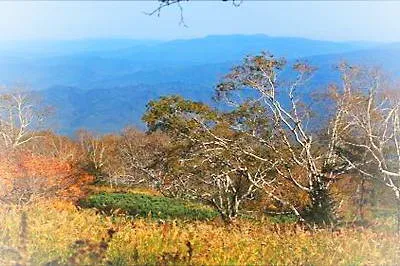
(26, 176)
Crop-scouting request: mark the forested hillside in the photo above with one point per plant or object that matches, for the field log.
(110, 81)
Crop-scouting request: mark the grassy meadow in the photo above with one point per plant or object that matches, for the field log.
(112, 228)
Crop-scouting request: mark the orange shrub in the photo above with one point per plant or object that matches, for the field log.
(25, 176)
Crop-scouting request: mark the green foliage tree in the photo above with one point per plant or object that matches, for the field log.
(206, 160)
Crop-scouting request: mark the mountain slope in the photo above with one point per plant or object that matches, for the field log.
(83, 64)
(104, 85)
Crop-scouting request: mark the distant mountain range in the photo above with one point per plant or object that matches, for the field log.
(104, 85)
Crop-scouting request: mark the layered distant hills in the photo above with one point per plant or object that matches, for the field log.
(104, 85)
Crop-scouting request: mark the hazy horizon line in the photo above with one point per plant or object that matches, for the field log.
(193, 38)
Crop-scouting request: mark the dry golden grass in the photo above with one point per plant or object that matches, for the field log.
(54, 227)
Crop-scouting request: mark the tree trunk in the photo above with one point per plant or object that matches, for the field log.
(361, 201)
(321, 209)
(398, 212)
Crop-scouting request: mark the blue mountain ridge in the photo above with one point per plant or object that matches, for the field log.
(104, 85)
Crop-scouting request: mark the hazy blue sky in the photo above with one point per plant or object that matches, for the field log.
(374, 21)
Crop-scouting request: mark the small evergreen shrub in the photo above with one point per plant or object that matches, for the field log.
(140, 205)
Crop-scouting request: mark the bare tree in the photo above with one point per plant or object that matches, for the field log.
(302, 157)
(136, 153)
(20, 115)
(94, 150)
(375, 121)
(167, 3)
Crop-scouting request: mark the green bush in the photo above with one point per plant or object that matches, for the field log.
(140, 205)
(282, 218)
